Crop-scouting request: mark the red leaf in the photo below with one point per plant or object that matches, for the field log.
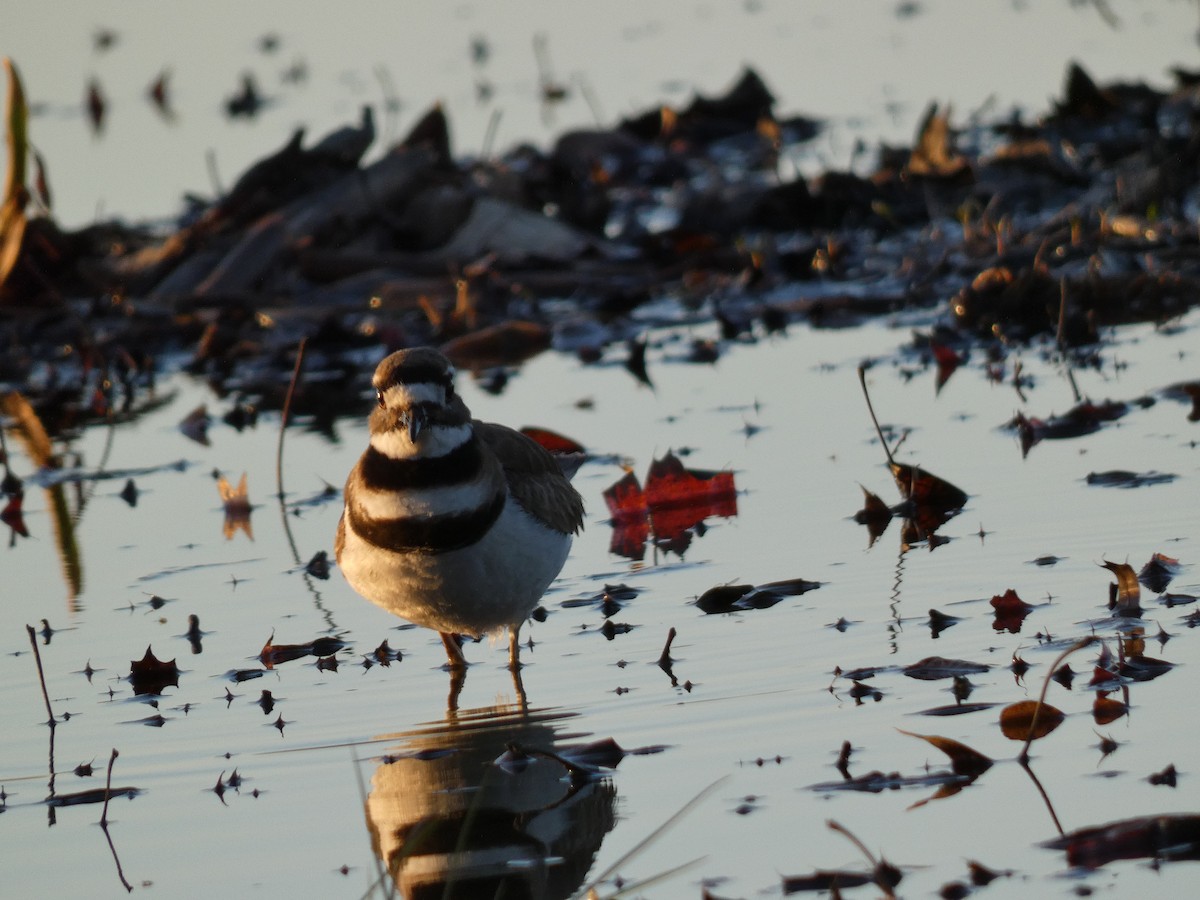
(552, 441)
(150, 675)
(1011, 611)
(625, 499)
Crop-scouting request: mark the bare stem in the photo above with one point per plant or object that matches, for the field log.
(41, 674)
(862, 379)
(1023, 758)
(283, 417)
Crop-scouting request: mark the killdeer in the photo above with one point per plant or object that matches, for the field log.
(454, 524)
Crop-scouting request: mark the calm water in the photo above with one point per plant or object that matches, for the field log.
(761, 682)
(346, 759)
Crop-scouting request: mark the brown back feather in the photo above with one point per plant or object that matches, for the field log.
(534, 478)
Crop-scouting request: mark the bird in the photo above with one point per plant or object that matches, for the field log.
(452, 523)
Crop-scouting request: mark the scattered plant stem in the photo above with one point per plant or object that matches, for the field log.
(41, 675)
(862, 379)
(283, 417)
(108, 789)
(664, 661)
(881, 871)
(1023, 758)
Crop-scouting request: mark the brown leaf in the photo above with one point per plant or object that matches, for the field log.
(1018, 719)
(1129, 592)
(1106, 710)
(924, 488)
(964, 760)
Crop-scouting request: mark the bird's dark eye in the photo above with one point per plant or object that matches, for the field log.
(379, 398)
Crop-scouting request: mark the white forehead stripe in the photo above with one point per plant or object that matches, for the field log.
(436, 440)
(398, 396)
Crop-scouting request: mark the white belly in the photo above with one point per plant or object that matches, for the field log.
(490, 585)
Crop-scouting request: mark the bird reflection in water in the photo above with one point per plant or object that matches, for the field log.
(490, 803)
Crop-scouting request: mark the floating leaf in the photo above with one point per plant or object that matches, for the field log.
(925, 489)
(739, 597)
(272, 654)
(1122, 478)
(1019, 721)
(1106, 710)
(931, 668)
(150, 675)
(1146, 837)
(1158, 572)
(1011, 611)
(237, 507)
(964, 760)
(1129, 592)
(875, 514)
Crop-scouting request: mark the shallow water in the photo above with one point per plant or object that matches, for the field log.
(344, 759)
(755, 705)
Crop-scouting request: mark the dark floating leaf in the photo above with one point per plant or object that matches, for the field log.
(1121, 478)
(150, 675)
(1082, 419)
(129, 493)
(825, 880)
(1011, 611)
(932, 668)
(957, 709)
(1158, 572)
(875, 514)
(91, 795)
(1169, 837)
(726, 598)
(318, 566)
(940, 621)
(1170, 599)
(1166, 778)
(924, 488)
(273, 654)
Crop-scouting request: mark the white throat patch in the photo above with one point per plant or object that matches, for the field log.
(435, 440)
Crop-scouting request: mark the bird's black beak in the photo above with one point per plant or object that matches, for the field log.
(414, 421)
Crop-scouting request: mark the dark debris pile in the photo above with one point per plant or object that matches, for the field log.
(1010, 230)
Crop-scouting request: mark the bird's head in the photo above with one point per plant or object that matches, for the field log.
(416, 398)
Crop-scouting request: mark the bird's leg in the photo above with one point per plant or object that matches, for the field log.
(454, 654)
(514, 648)
(458, 678)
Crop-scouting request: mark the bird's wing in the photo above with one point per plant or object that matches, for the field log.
(535, 479)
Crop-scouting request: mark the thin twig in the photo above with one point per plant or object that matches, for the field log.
(108, 789)
(862, 379)
(1083, 642)
(41, 674)
(283, 418)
